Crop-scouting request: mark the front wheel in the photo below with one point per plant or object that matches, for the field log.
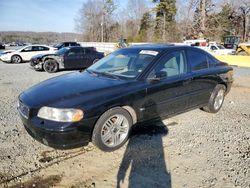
(16, 59)
(112, 129)
(216, 99)
(50, 66)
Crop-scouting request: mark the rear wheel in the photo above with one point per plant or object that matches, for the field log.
(216, 99)
(112, 129)
(16, 59)
(50, 66)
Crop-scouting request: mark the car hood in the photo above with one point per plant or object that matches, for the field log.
(73, 89)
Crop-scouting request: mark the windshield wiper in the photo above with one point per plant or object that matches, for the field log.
(91, 72)
(109, 75)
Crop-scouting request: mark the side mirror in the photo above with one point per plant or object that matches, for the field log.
(158, 76)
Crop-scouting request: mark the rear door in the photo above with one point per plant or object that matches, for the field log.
(203, 80)
(168, 95)
(73, 58)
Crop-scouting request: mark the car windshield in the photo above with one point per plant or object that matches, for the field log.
(62, 51)
(220, 46)
(124, 63)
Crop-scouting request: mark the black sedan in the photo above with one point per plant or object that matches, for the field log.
(66, 58)
(129, 86)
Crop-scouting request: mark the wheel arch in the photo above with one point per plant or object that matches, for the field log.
(128, 108)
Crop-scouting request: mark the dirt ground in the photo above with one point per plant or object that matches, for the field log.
(195, 149)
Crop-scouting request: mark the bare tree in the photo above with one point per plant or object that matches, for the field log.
(95, 20)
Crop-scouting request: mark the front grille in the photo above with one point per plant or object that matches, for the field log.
(23, 109)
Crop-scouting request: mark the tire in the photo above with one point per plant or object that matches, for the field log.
(50, 66)
(108, 134)
(95, 61)
(16, 59)
(216, 99)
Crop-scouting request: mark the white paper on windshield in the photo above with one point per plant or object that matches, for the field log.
(149, 52)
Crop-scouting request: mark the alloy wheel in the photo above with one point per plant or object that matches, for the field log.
(115, 130)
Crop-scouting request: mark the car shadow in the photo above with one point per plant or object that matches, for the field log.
(144, 158)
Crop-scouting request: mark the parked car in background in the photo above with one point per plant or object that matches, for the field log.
(219, 49)
(66, 58)
(26, 53)
(131, 85)
(65, 44)
(6, 52)
(2, 47)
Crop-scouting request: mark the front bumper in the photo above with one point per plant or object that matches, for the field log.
(5, 60)
(36, 65)
(75, 135)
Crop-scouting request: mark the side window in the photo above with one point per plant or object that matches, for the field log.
(198, 60)
(43, 48)
(213, 48)
(75, 51)
(173, 64)
(28, 49)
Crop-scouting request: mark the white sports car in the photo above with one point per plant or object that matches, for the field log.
(26, 53)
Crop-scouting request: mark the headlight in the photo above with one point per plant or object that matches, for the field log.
(60, 114)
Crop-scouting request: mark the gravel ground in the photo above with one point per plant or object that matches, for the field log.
(195, 149)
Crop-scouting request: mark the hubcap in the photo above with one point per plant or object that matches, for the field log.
(219, 99)
(115, 130)
(50, 66)
(16, 59)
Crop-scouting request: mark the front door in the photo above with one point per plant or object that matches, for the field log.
(27, 53)
(168, 95)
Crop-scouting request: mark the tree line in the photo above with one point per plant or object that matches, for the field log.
(38, 37)
(163, 20)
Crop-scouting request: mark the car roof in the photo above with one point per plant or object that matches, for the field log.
(37, 45)
(158, 46)
(88, 47)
